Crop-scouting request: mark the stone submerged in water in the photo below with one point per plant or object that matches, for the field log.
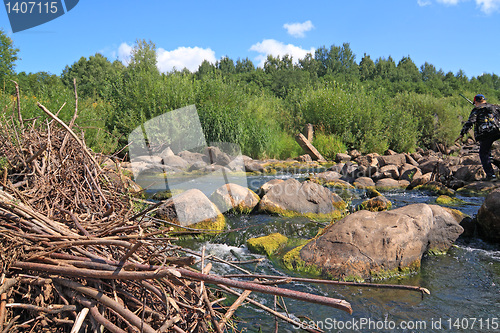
(381, 244)
(266, 244)
(488, 217)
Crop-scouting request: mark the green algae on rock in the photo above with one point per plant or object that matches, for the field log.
(267, 244)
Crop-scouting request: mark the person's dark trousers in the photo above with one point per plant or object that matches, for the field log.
(485, 154)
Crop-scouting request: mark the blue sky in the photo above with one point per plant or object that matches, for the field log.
(450, 34)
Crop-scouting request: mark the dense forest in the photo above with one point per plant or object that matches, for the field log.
(370, 105)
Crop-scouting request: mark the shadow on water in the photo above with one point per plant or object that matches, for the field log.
(464, 283)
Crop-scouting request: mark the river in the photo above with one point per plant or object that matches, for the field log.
(464, 283)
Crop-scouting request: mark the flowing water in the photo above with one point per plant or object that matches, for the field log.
(464, 283)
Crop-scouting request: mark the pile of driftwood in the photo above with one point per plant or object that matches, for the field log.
(79, 253)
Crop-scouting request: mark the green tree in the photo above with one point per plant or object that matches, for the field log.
(8, 57)
(94, 75)
(407, 70)
(366, 68)
(386, 68)
(309, 64)
(226, 66)
(206, 69)
(244, 66)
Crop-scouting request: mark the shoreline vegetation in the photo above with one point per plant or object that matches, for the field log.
(368, 105)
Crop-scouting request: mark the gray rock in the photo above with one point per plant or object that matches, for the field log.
(488, 217)
(189, 207)
(302, 198)
(369, 244)
(233, 197)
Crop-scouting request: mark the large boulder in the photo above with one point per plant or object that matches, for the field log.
(217, 156)
(264, 188)
(175, 161)
(291, 198)
(192, 208)
(234, 197)
(379, 244)
(397, 159)
(488, 217)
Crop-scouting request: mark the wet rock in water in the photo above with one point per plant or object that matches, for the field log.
(192, 208)
(266, 244)
(292, 198)
(326, 177)
(376, 204)
(449, 201)
(364, 182)
(488, 217)
(380, 244)
(436, 188)
(236, 198)
(480, 188)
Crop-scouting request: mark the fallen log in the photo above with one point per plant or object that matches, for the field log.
(309, 148)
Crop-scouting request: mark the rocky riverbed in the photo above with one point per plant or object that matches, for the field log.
(363, 241)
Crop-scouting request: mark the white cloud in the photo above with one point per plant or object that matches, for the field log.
(488, 6)
(423, 3)
(449, 2)
(183, 57)
(124, 53)
(180, 58)
(276, 48)
(298, 29)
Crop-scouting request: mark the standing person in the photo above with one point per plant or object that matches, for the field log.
(485, 118)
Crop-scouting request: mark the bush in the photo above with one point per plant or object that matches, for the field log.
(329, 145)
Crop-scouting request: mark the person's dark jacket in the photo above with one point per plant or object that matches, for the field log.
(482, 117)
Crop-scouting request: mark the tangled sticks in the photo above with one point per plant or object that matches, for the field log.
(76, 256)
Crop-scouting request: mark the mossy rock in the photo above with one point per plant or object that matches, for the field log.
(376, 204)
(330, 217)
(217, 224)
(414, 267)
(449, 201)
(293, 262)
(165, 195)
(436, 188)
(267, 244)
(478, 188)
(338, 183)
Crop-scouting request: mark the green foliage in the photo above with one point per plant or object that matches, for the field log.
(8, 57)
(94, 76)
(329, 145)
(370, 105)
